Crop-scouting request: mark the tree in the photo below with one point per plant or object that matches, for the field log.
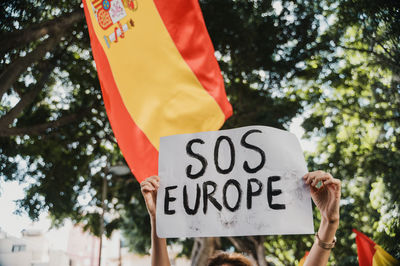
(52, 115)
(276, 60)
(355, 105)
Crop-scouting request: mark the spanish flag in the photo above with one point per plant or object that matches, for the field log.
(303, 259)
(371, 254)
(158, 74)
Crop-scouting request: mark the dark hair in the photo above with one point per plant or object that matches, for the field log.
(234, 259)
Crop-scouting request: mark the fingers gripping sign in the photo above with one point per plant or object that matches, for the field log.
(325, 192)
(149, 189)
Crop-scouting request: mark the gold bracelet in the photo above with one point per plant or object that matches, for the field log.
(325, 245)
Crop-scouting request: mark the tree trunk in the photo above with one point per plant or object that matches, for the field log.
(252, 246)
(260, 251)
(203, 249)
(241, 246)
(21, 37)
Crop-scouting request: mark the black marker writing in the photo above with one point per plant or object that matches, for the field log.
(186, 201)
(202, 160)
(216, 154)
(239, 190)
(208, 196)
(168, 199)
(251, 193)
(246, 166)
(274, 192)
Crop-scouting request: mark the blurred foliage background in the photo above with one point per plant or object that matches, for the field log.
(333, 63)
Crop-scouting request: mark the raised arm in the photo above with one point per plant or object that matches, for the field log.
(159, 253)
(327, 200)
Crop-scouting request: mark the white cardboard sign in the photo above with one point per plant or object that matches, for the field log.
(243, 181)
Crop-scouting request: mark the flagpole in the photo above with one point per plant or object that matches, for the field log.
(103, 207)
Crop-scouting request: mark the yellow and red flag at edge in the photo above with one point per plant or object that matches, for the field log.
(371, 254)
(303, 259)
(157, 72)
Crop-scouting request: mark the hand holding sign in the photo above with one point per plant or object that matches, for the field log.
(149, 189)
(244, 181)
(326, 197)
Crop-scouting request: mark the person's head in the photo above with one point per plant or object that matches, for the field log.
(229, 259)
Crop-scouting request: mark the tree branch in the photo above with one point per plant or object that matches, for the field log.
(381, 56)
(253, 240)
(112, 139)
(202, 249)
(386, 50)
(18, 38)
(241, 246)
(42, 128)
(18, 91)
(260, 251)
(16, 68)
(27, 98)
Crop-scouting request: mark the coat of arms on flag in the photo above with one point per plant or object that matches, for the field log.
(115, 14)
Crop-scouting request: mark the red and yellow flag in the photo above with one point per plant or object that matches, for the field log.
(303, 259)
(158, 74)
(371, 254)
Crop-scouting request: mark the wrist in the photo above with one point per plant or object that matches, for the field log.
(332, 222)
(325, 245)
(327, 230)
